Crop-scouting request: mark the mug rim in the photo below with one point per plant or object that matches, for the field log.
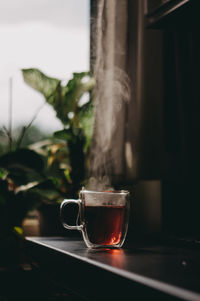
(122, 192)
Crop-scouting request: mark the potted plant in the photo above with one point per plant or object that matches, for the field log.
(67, 150)
(20, 171)
(48, 171)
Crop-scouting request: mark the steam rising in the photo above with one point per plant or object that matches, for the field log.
(111, 94)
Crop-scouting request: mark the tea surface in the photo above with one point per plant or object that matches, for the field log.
(104, 224)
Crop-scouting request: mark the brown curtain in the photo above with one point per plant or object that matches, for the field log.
(112, 88)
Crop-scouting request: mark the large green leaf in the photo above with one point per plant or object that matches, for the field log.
(40, 82)
(76, 87)
(3, 173)
(22, 159)
(23, 176)
(65, 134)
(64, 99)
(45, 185)
(86, 121)
(3, 193)
(45, 190)
(67, 166)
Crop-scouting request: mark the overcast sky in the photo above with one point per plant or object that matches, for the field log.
(52, 35)
(67, 13)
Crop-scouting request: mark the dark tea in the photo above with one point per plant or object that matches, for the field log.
(104, 224)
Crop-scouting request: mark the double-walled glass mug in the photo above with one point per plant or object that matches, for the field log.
(103, 217)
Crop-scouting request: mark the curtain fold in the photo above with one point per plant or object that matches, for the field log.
(112, 89)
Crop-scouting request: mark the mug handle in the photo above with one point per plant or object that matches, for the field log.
(65, 203)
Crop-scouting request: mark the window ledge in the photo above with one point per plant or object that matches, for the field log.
(143, 270)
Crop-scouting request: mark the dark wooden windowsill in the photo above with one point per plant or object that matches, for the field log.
(143, 269)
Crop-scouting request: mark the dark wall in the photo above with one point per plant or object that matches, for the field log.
(182, 129)
(165, 138)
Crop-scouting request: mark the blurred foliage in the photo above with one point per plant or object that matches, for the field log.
(68, 150)
(32, 135)
(51, 169)
(24, 186)
(21, 137)
(65, 98)
(20, 171)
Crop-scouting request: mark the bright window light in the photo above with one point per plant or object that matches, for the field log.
(51, 35)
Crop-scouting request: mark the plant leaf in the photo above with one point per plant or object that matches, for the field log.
(86, 120)
(65, 134)
(63, 99)
(22, 158)
(72, 93)
(40, 82)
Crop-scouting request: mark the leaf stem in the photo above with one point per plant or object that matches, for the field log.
(25, 128)
(10, 105)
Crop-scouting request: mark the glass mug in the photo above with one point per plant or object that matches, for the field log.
(103, 217)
